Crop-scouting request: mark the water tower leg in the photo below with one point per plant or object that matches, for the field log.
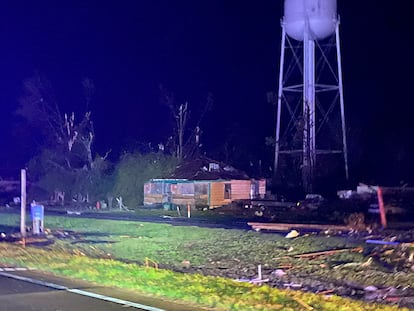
(341, 99)
(279, 101)
(309, 142)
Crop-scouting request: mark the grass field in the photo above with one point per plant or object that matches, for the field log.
(197, 265)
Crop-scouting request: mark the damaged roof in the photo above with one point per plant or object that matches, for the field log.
(206, 169)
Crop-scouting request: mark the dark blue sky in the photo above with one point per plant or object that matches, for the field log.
(229, 48)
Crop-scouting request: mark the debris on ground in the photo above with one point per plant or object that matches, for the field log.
(73, 212)
(328, 252)
(383, 257)
(292, 234)
(395, 253)
(286, 227)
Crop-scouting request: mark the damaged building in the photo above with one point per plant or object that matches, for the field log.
(202, 183)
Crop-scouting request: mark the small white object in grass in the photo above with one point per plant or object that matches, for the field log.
(279, 272)
(292, 285)
(292, 234)
(185, 263)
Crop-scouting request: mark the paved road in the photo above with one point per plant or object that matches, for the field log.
(31, 290)
(19, 295)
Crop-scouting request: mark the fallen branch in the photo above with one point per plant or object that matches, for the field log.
(286, 227)
(326, 292)
(329, 252)
(355, 264)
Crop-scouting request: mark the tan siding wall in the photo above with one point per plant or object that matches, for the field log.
(183, 200)
(150, 199)
(240, 189)
(217, 194)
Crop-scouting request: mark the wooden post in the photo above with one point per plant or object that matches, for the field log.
(188, 211)
(23, 203)
(381, 208)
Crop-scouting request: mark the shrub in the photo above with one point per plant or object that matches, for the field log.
(135, 169)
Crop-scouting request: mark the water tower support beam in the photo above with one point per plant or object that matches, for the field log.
(341, 100)
(279, 100)
(309, 140)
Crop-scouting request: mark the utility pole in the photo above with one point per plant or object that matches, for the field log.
(23, 203)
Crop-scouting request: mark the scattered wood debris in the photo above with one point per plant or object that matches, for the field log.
(329, 252)
(287, 227)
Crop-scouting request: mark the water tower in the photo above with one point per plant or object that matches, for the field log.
(310, 122)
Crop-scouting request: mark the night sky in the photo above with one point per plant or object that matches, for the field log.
(228, 48)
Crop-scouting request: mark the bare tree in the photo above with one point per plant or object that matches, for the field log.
(39, 108)
(80, 134)
(184, 147)
(181, 119)
(65, 162)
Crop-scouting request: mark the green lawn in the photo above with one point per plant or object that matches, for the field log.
(113, 253)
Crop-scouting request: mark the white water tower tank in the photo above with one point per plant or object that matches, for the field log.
(321, 15)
